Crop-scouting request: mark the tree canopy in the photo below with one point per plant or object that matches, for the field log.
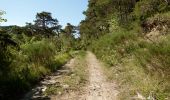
(46, 24)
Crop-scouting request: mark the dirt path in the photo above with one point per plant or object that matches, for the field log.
(99, 88)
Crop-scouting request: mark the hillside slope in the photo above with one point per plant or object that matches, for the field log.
(132, 38)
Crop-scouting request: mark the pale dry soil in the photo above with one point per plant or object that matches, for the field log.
(97, 87)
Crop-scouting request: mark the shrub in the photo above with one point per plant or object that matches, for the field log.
(27, 66)
(39, 52)
(147, 8)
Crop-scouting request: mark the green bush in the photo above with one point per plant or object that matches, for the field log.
(61, 59)
(147, 8)
(28, 65)
(112, 45)
(39, 52)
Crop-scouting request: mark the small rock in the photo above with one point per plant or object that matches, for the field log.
(140, 96)
(98, 86)
(59, 93)
(99, 94)
(37, 93)
(40, 98)
(72, 74)
(52, 81)
(44, 89)
(66, 86)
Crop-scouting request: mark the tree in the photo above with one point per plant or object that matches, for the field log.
(1, 19)
(5, 42)
(69, 30)
(5, 39)
(97, 16)
(67, 36)
(46, 24)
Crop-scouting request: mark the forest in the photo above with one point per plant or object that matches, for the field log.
(130, 37)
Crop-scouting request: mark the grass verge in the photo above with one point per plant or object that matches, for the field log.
(138, 66)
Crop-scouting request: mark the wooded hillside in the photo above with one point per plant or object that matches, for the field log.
(132, 38)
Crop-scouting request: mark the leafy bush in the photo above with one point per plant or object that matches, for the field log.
(61, 59)
(27, 66)
(112, 45)
(147, 8)
(39, 52)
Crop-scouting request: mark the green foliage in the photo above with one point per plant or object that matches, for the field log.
(113, 43)
(39, 52)
(26, 59)
(161, 18)
(112, 30)
(61, 59)
(30, 52)
(96, 23)
(45, 24)
(138, 65)
(100, 13)
(34, 60)
(67, 37)
(6, 43)
(1, 19)
(147, 8)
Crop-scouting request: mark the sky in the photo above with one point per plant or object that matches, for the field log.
(18, 12)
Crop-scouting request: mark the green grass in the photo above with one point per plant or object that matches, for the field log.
(137, 65)
(79, 74)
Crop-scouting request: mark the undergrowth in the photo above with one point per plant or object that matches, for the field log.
(29, 65)
(137, 65)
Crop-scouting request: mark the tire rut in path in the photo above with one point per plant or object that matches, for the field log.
(98, 88)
